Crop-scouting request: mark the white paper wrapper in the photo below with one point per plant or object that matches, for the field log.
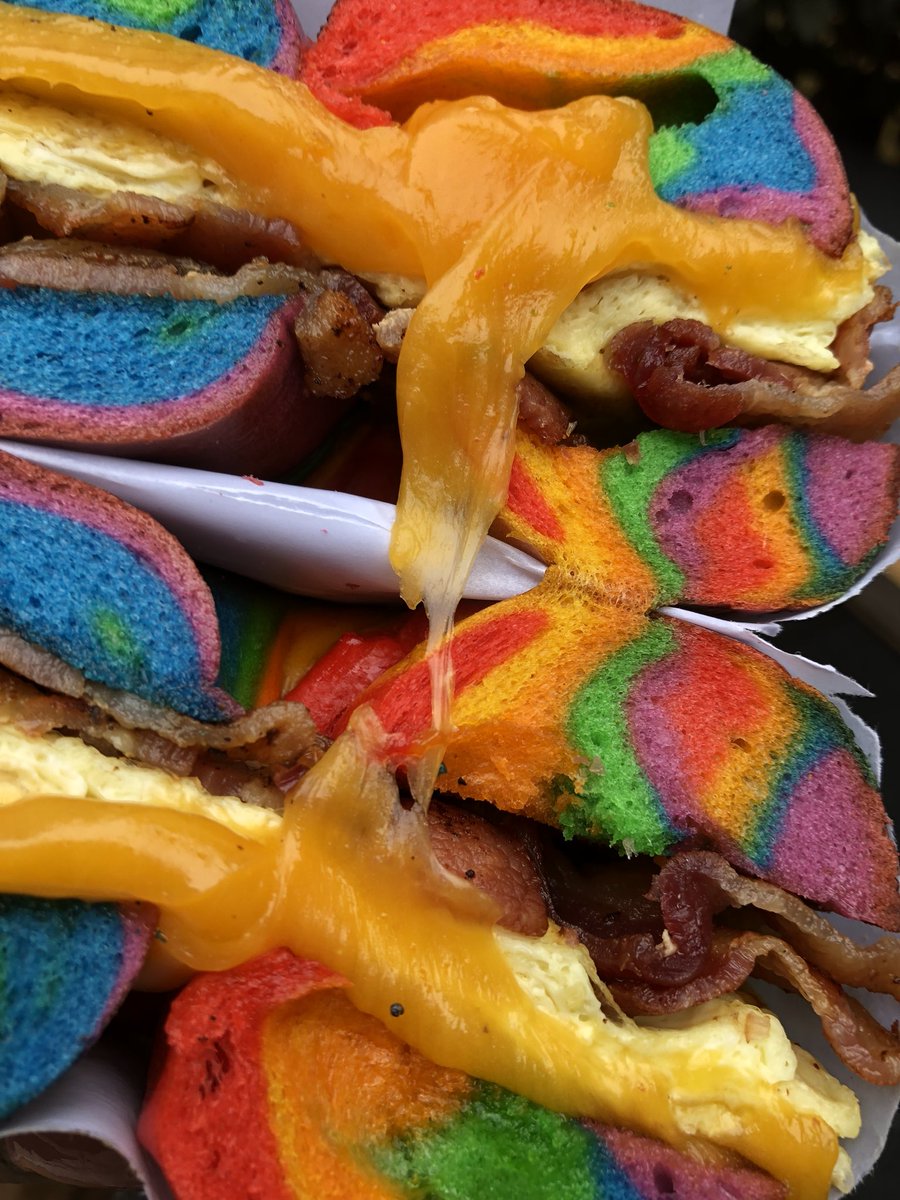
(885, 344)
(97, 1102)
(336, 547)
(317, 543)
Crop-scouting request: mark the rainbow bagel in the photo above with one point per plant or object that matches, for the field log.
(104, 587)
(265, 32)
(756, 520)
(65, 967)
(650, 733)
(240, 1108)
(211, 385)
(732, 137)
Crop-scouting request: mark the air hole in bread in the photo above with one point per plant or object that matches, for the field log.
(663, 1181)
(681, 501)
(684, 100)
(773, 501)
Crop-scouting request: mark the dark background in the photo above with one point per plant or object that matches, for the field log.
(846, 59)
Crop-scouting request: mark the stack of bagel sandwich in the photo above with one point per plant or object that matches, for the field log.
(465, 902)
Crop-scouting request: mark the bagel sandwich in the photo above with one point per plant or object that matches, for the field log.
(526, 1011)
(79, 170)
(122, 728)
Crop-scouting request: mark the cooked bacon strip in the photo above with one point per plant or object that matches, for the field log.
(683, 378)
(598, 895)
(860, 1042)
(75, 265)
(541, 413)
(276, 735)
(338, 280)
(334, 328)
(828, 407)
(653, 942)
(494, 859)
(703, 874)
(229, 237)
(39, 665)
(231, 760)
(490, 856)
(336, 339)
(211, 232)
(123, 216)
(851, 345)
(660, 930)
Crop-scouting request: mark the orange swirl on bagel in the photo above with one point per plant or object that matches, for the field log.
(513, 58)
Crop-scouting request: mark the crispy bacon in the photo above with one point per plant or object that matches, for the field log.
(875, 966)
(541, 413)
(493, 858)
(860, 1042)
(851, 345)
(662, 942)
(241, 757)
(336, 339)
(76, 265)
(225, 237)
(684, 378)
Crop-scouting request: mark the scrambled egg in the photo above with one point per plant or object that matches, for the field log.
(40, 143)
(60, 765)
(561, 979)
(573, 353)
